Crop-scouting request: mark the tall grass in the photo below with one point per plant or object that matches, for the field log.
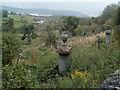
(91, 59)
(85, 58)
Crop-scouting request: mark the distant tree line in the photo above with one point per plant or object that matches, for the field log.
(83, 26)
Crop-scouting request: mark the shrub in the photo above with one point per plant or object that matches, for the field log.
(18, 77)
(10, 48)
(117, 32)
(51, 38)
(46, 74)
(34, 35)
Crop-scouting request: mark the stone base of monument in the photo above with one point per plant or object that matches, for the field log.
(64, 60)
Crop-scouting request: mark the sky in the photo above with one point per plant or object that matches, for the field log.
(87, 7)
(59, 0)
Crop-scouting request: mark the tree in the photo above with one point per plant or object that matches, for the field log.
(9, 25)
(13, 13)
(52, 27)
(53, 24)
(28, 32)
(116, 19)
(71, 23)
(116, 16)
(5, 13)
(108, 12)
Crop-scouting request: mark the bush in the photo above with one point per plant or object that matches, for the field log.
(51, 38)
(49, 73)
(10, 48)
(18, 77)
(116, 33)
(34, 35)
(83, 30)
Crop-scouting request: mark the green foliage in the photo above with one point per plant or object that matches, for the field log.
(34, 35)
(116, 34)
(108, 12)
(18, 76)
(65, 82)
(9, 25)
(82, 30)
(104, 60)
(10, 48)
(116, 16)
(28, 29)
(47, 74)
(29, 32)
(51, 38)
(89, 65)
(53, 24)
(14, 77)
(71, 23)
(43, 51)
(4, 13)
(85, 21)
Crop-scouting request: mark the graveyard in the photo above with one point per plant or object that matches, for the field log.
(60, 52)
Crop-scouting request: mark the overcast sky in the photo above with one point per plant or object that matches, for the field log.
(88, 7)
(60, 0)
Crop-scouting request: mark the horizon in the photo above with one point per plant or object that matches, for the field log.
(86, 8)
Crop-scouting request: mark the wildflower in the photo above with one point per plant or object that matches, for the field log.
(78, 73)
(85, 79)
(72, 76)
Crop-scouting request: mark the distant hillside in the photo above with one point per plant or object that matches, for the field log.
(45, 11)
